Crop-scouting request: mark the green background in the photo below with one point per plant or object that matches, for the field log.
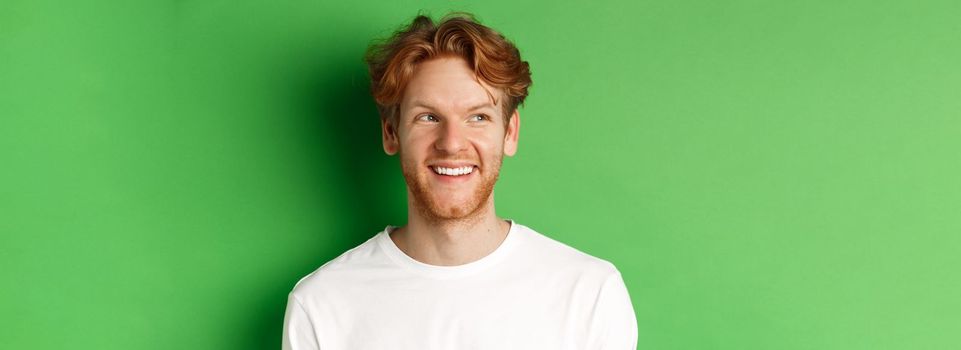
(766, 175)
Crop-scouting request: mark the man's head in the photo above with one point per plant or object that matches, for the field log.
(448, 95)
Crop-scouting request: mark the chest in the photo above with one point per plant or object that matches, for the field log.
(533, 314)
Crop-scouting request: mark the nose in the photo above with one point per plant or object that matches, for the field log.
(452, 139)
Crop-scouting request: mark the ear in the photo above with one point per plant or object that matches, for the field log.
(389, 133)
(513, 130)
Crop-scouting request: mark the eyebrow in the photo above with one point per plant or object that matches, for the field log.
(473, 108)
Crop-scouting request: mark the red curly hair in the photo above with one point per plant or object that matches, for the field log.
(495, 60)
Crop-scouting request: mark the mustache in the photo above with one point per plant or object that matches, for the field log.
(465, 160)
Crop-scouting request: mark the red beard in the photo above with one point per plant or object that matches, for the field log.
(418, 182)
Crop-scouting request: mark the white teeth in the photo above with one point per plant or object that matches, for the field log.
(453, 171)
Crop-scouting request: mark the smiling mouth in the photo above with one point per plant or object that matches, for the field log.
(460, 171)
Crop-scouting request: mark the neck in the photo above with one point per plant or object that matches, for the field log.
(452, 242)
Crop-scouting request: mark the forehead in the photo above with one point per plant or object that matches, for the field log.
(448, 82)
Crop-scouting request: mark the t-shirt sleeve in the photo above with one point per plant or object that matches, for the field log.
(613, 323)
(298, 329)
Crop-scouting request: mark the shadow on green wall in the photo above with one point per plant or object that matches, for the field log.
(338, 124)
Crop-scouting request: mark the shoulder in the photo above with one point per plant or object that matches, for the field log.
(564, 258)
(340, 271)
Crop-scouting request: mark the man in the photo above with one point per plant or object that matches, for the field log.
(456, 276)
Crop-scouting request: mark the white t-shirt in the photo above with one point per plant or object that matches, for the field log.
(532, 292)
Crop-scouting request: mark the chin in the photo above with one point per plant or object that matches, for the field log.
(456, 209)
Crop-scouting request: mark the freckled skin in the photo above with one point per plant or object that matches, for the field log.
(446, 89)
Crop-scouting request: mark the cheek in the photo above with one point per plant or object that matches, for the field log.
(487, 140)
(413, 143)
(490, 151)
(414, 156)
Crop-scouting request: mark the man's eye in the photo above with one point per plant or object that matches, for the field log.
(480, 117)
(427, 117)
